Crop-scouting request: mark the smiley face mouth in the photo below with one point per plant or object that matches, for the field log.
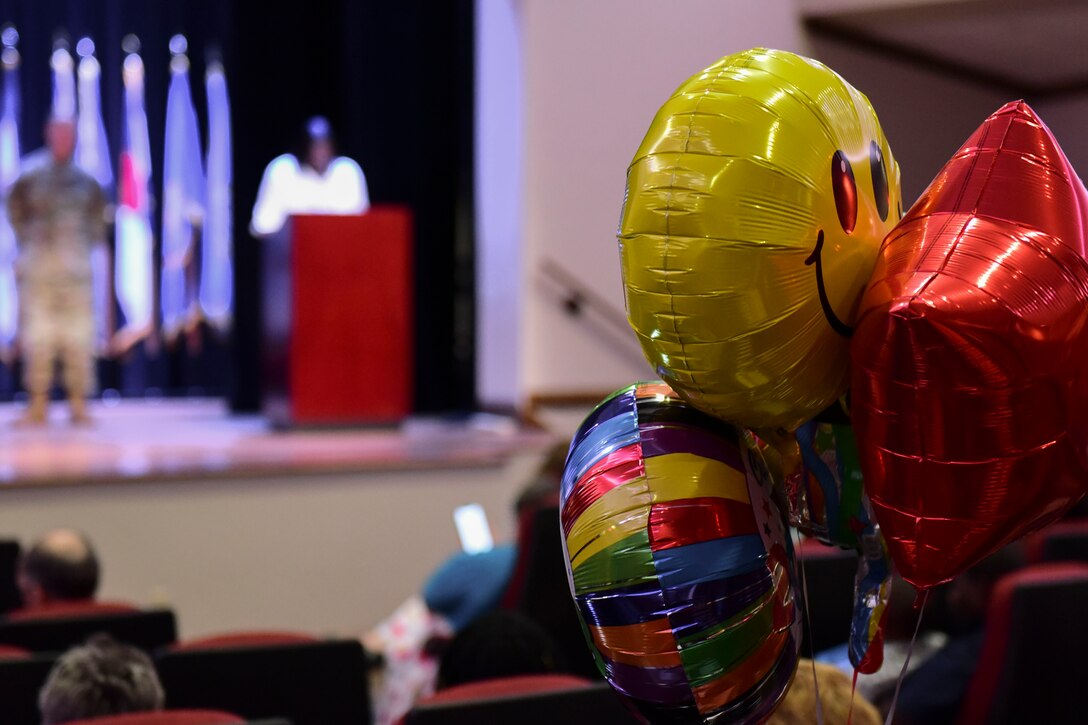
(832, 319)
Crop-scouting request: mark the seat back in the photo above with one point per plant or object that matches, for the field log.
(545, 594)
(177, 717)
(585, 703)
(829, 591)
(20, 680)
(1063, 541)
(311, 683)
(243, 639)
(147, 630)
(75, 608)
(9, 566)
(165, 717)
(7, 652)
(1033, 661)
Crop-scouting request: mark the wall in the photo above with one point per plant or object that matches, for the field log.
(926, 116)
(1066, 117)
(322, 554)
(595, 75)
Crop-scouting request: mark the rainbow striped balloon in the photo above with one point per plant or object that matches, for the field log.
(679, 560)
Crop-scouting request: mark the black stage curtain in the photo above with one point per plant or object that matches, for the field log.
(396, 81)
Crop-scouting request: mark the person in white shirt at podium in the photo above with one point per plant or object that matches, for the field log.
(319, 183)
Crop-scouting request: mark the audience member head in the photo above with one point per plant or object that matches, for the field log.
(60, 566)
(836, 691)
(102, 677)
(543, 489)
(319, 144)
(60, 137)
(500, 644)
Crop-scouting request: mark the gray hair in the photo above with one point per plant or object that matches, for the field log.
(99, 678)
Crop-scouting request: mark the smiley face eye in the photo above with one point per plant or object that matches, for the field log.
(880, 181)
(846, 192)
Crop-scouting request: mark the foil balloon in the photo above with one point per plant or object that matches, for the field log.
(821, 476)
(754, 210)
(970, 383)
(679, 561)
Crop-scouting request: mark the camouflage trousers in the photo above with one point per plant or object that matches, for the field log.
(57, 323)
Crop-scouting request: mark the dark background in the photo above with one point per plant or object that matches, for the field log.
(395, 80)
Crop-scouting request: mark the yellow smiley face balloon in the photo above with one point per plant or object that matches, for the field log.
(754, 210)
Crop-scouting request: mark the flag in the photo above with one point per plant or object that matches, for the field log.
(92, 147)
(216, 276)
(182, 199)
(9, 172)
(134, 271)
(64, 82)
(92, 154)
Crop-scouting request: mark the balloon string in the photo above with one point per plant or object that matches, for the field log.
(906, 662)
(853, 691)
(808, 620)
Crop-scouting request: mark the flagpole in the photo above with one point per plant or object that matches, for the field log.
(9, 172)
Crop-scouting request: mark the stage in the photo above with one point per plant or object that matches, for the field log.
(185, 439)
(237, 526)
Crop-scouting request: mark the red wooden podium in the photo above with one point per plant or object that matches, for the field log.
(338, 319)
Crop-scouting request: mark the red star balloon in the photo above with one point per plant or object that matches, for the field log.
(970, 356)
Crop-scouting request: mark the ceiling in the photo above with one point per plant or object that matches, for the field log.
(1033, 48)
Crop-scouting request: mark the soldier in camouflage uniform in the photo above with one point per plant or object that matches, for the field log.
(57, 212)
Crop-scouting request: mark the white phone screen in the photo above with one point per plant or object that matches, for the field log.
(471, 522)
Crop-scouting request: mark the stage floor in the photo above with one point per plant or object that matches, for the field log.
(173, 439)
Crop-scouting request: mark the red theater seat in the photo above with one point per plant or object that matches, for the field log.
(1063, 541)
(243, 639)
(10, 598)
(78, 608)
(527, 700)
(148, 629)
(507, 687)
(1033, 662)
(20, 680)
(8, 653)
(829, 574)
(814, 548)
(166, 717)
(511, 598)
(309, 683)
